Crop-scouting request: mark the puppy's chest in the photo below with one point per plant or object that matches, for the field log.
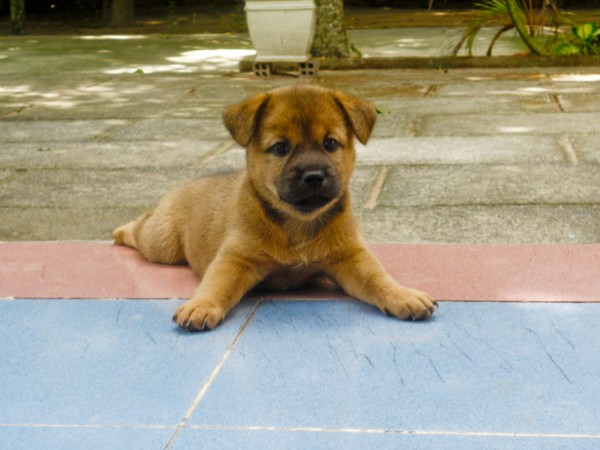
(292, 258)
(301, 248)
(295, 254)
(291, 277)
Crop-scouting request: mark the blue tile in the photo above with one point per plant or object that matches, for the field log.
(484, 367)
(223, 439)
(27, 438)
(103, 362)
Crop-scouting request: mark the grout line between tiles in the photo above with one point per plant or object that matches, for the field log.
(431, 90)
(555, 102)
(414, 125)
(221, 148)
(311, 430)
(88, 426)
(398, 432)
(568, 150)
(377, 188)
(213, 376)
(17, 110)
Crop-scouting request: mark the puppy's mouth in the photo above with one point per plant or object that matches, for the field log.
(311, 203)
(309, 190)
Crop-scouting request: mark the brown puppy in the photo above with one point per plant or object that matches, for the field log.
(284, 220)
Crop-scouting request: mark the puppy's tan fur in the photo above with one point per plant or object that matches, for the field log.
(282, 221)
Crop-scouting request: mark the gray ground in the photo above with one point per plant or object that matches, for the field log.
(93, 131)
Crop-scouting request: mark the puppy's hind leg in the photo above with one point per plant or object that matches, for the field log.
(127, 234)
(153, 236)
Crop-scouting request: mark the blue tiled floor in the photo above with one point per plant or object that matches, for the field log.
(118, 374)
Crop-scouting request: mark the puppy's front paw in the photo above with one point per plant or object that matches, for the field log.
(198, 315)
(410, 304)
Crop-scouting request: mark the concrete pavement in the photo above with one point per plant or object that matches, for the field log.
(94, 129)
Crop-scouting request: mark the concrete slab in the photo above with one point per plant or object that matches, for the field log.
(394, 124)
(90, 189)
(167, 130)
(95, 111)
(436, 104)
(442, 224)
(107, 155)
(514, 123)
(490, 185)
(59, 223)
(436, 150)
(54, 130)
(124, 54)
(587, 147)
(422, 42)
(579, 102)
(85, 197)
(123, 97)
(536, 84)
(483, 224)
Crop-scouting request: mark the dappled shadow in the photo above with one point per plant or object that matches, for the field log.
(430, 42)
(110, 76)
(216, 60)
(117, 54)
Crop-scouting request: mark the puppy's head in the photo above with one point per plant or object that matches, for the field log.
(300, 145)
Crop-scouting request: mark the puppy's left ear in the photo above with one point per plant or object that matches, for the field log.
(360, 114)
(242, 120)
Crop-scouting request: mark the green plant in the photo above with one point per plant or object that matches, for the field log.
(529, 17)
(583, 39)
(490, 12)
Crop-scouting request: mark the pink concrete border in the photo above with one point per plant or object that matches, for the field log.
(471, 272)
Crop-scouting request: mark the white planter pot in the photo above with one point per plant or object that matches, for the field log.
(281, 30)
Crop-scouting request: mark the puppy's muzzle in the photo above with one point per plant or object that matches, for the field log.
(310, 189)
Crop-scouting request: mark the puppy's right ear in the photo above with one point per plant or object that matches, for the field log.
(242, 120)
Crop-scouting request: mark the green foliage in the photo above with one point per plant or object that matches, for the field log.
(233, 22)
(489, 12)
(584, 39)
(529, 17)
(532, 19)
(355, 50)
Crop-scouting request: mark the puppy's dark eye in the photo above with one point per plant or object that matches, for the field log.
(331, 145)
(280, 149)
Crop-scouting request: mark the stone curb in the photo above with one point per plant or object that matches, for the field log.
(442, 62)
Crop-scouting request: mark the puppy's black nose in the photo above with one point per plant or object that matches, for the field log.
(313, 178)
